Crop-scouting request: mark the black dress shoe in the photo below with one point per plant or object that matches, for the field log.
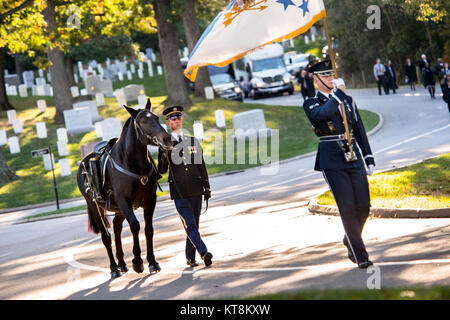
(365, 264)
(191, 263)
(207, 258)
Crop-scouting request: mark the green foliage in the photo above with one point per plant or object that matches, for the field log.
(408, 29)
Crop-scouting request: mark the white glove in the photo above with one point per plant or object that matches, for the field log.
(370, 169)
(338, 83)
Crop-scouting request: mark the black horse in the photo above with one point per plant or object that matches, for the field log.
(130, 181)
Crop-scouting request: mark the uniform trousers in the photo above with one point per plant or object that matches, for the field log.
(350, 189)
(189, 210)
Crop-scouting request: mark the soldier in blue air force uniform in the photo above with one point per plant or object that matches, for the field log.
(345, 175)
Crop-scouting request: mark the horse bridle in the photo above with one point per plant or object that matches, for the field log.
(141, 133)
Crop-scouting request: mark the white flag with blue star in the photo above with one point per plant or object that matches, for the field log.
(245, 25)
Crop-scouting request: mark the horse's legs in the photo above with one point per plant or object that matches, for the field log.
(127, 211)
(118, 223)
(153, 266)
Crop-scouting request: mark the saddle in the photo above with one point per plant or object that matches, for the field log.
(97, 167)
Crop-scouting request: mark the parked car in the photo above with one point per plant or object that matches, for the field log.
(226, 87)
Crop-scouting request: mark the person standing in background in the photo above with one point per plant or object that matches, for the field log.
(428, 80)
(411, 74)
(391, 76)
(379, 71)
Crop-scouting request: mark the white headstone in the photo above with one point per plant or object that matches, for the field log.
(250, 121)
(40, 90)
(132, 68)
(150, 68)
(49, 77)
(198, 130)
(111, 128)
(11, 114)
(142, 100)
(41, 130)
(23, 92)
(61, 133)
(48, 90)
(120, 75)
(159, 69)
(129, 75)
(78, 120)
(140, 73)
(121, 100)
(17, 126)
(133, 91)
(28, 78)
(12, 90)
(3, 138)
(48, 161)
(14, 146)
(220, 119)
(92, 105)
(64, 167)
(41, 73)
(98, 129)
(40, 81)
(100, 99)
(42, 105)
(63, 150)
(83, 92)
(209, 93)
(75, 91)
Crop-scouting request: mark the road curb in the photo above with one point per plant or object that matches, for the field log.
(315, 208)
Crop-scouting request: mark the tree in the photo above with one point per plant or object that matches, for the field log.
(18, 21)
(192, 35)
(168, 46)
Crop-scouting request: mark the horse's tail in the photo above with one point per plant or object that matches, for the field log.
(94, 219)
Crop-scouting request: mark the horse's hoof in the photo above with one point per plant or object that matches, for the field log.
(115, 274)
(139, 268)
(124, 268)
(154, 268)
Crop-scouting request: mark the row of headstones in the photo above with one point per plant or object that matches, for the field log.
(36, 90)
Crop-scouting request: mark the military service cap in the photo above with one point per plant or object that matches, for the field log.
(323, 67)
(173, 112)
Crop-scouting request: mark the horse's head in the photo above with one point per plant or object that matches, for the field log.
(148, 129)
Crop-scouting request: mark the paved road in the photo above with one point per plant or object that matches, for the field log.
(258, 228)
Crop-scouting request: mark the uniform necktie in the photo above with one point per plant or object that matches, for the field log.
(179, 139)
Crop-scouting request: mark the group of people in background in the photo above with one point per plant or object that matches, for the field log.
(386, 76)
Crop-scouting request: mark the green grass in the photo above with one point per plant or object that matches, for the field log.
(35, 185)
(433, 293)
(424, 185)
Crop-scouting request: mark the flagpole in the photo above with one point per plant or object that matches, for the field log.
(344, 115)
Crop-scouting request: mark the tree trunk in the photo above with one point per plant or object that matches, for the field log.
(168, 47)
(19, 67)
(4, 102)
(192, 35)
(6, 175)
(61, 88)
(69, 70)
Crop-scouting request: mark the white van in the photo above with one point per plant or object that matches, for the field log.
(264, 71)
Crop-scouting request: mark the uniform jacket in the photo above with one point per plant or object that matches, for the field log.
(187, 175)
(323, 113)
